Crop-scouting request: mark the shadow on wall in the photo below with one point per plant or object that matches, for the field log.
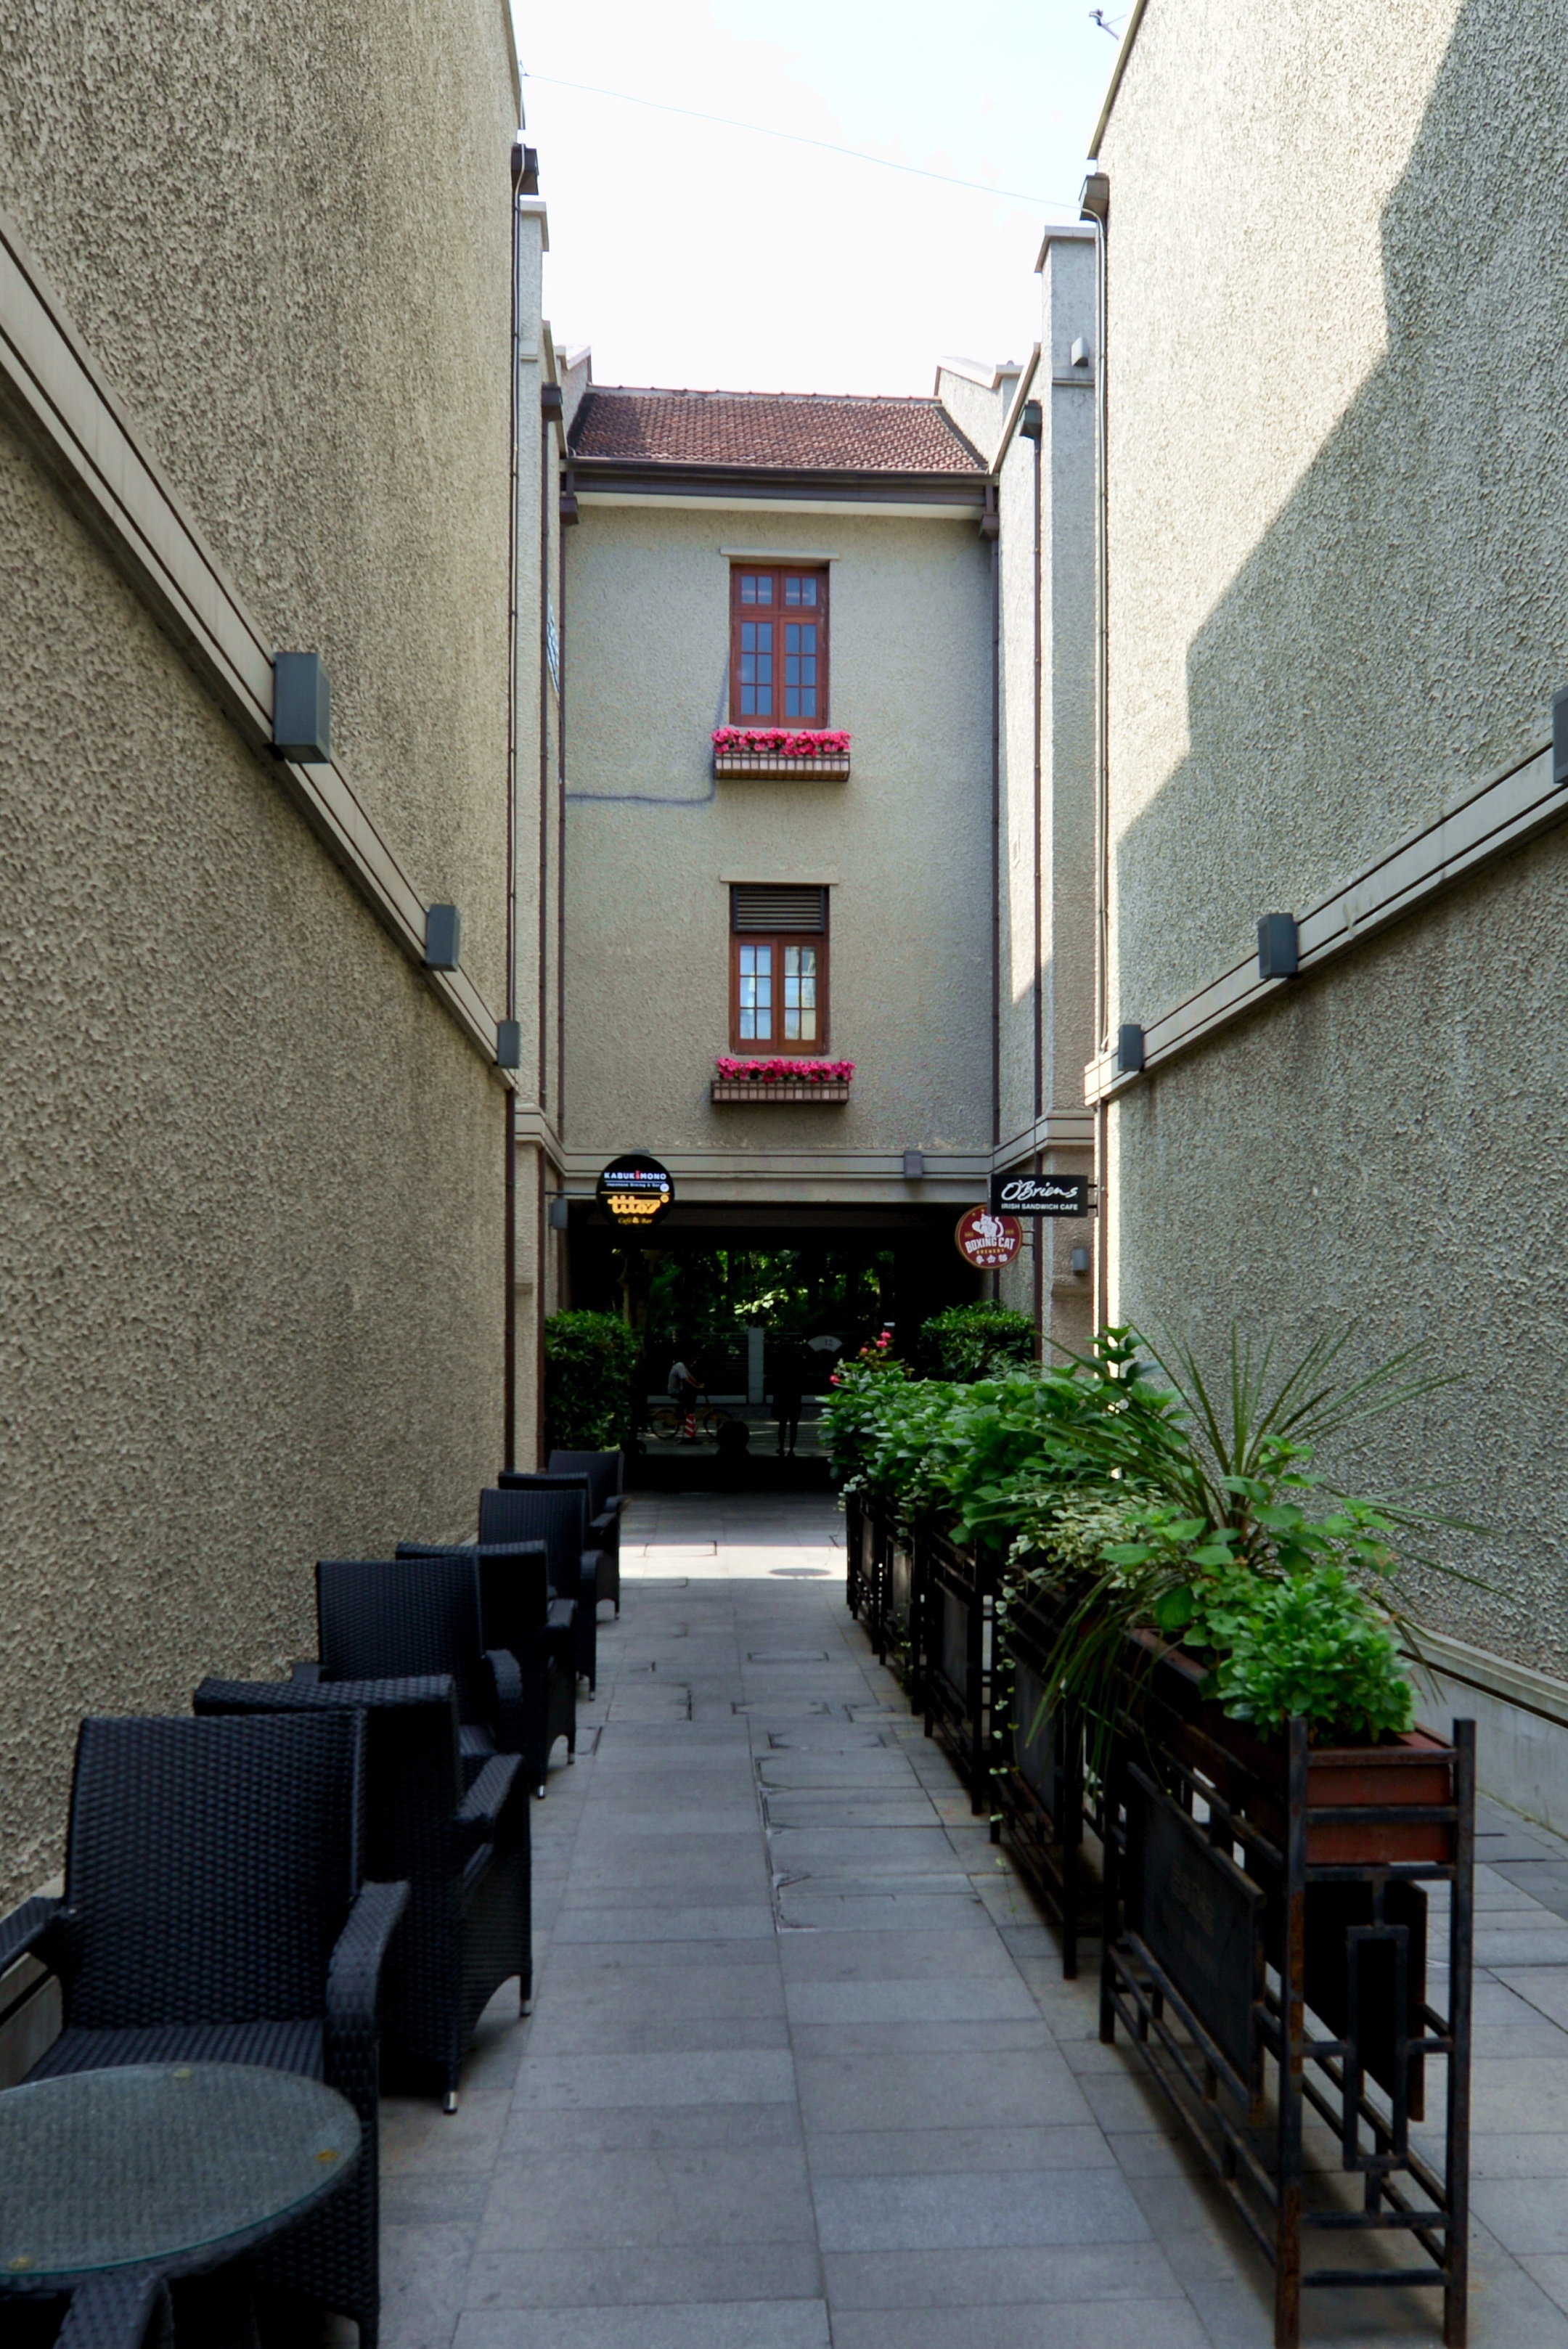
(1399, 631)
(1384, 1145)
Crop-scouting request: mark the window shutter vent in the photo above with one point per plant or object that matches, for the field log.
(758, 907)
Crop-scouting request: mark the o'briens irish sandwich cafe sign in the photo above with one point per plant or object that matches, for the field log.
(635, 1191)
(1040, 1194)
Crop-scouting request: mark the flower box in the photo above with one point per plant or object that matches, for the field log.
(781, 750)
(1413, 1770)
(782, 1081)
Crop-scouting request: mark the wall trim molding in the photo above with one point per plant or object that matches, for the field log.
(1477, 1668)
(1475, 831)
(54, 395)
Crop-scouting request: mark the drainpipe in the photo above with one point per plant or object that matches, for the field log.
(1043, 1242)
(544, 777)
(561, 834)
(1096, 206)
(509, 1180)
(996, 1278)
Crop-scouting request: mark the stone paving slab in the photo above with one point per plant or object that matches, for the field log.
(802, 2072)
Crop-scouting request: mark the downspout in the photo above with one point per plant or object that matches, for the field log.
(992, 527)
(1098, 210)
(544, 773)
(1041, 1241)
(509, 1181)
(561, 834)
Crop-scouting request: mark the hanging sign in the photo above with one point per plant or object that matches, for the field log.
(1040, 1194)
(986, 1240)
(635, 1191)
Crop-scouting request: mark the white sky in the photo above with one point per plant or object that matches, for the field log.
(691, 255)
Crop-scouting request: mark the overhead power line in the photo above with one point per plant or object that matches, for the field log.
(798, 139)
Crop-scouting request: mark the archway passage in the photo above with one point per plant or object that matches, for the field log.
(760, 1302)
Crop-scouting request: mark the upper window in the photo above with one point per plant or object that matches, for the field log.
(778, 969)
(778, 647)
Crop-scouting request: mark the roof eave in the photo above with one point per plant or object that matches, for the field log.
(842, 481)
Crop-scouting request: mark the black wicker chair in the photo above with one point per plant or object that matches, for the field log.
(405, 1618)
(560, 1520)
(214, 1913)
(518, 1616)
(465, 1859)
(596, 1473)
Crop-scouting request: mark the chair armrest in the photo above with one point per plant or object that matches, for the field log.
(479, 1816)
(119, 2310)
(590, 1569)
(563, 1615)
(606, 1527)
(307, 1670)
(506, 1678)
(25, 1927)
(354, 1975)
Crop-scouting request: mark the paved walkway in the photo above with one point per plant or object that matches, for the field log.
(801, 2068)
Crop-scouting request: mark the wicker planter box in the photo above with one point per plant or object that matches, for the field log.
(831, 766)
(759, 1096)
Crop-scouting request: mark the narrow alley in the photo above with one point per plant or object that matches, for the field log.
(801, 2068)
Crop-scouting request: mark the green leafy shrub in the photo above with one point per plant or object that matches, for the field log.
(589, 1359)
(977, 1342)
(1312, 1644)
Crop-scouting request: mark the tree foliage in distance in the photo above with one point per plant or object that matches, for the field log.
(589, 1359)
(977, 1342)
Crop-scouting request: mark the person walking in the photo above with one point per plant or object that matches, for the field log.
(684, 1386)
(788, 1388)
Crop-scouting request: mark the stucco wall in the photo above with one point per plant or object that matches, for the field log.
(251, 1172)
(284, 234)
(904, 843)
(1338, 483)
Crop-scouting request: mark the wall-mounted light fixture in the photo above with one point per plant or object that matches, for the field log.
(914, 1165)
(552, 406)
(1560, 739)
(509, 1044)
(560, 1214)
(301, 709)
(1078, 355)
(1094, 198)
(1129, 1048)
(1032, 423)
(1080, 1261)
(1279, 948)
(443, 938)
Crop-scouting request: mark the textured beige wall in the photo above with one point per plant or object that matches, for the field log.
(1338, 490)
(906, 837)
(250, 1176)
(284, 234)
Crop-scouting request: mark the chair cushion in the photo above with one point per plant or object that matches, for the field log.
(289, 2047)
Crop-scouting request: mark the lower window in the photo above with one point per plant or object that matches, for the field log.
(778, 969)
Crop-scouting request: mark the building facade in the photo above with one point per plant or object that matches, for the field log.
(255, 396)
(1336, 477)
(883, 570)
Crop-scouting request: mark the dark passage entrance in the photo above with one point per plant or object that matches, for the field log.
(759, 1303)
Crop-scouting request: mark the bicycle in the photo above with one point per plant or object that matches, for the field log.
(668, 1423)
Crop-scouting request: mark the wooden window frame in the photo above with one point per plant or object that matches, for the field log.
(774, 1047)
(778, 611)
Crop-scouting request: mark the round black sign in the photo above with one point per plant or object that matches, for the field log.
(635, 1191)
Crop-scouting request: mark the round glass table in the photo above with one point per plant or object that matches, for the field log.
(171, 2167)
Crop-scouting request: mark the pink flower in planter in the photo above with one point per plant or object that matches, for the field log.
(780, 741)
(783, 1072)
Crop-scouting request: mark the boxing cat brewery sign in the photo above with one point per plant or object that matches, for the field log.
(1040, 1194)
(635, 1191)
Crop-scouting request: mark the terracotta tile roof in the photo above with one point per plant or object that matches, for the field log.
(790, 431)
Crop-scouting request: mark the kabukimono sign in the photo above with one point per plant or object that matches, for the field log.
(635, 1191)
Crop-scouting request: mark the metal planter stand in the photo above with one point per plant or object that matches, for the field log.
(1262, 1986)
(955, 1593)
(1038, 1781)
